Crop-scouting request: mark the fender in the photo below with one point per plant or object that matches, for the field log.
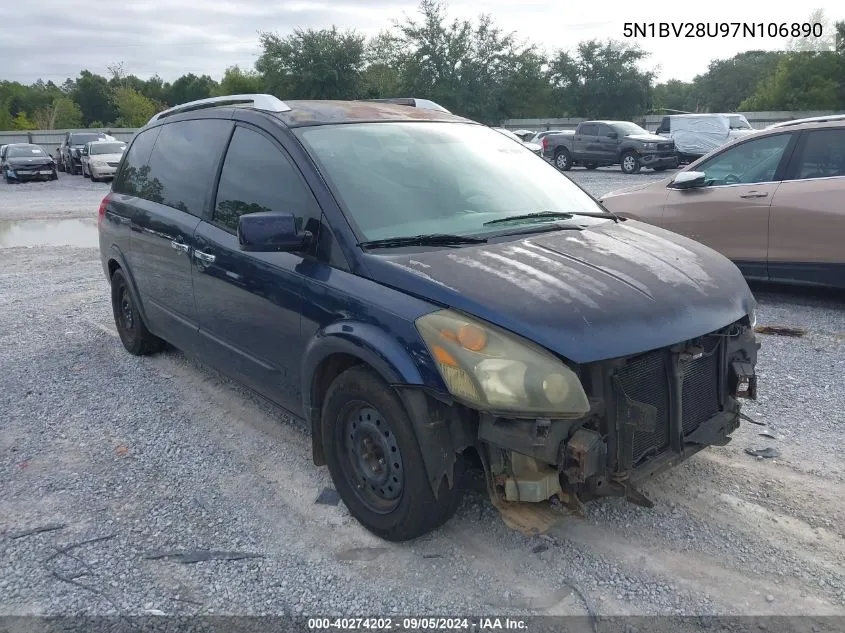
(116, 254)
(395, 364)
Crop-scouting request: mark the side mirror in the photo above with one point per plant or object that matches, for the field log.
(688, 180)
(271, 231)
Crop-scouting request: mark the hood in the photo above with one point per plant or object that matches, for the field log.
(638, 187)
(28, 160)
(608, 291)
(649, 138)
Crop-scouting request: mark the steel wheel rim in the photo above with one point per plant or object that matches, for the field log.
(371, 458)
(127, 319)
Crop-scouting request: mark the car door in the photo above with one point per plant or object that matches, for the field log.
(807, 221)
(172, 192)
(606, 143)
(584, 142)
(249, 303)
(731, 212)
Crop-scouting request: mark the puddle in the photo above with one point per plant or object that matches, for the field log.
(82, 232)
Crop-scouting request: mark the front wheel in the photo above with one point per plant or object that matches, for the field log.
(563, 160)
(376, 463)
(591, 166)
(134, 335)
(630, 163)
(660, 168)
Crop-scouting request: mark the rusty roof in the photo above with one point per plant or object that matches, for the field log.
(304, 113)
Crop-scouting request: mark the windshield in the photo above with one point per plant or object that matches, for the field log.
(414, 178)
(81, 139)
(626, 129)
(30, 151)
(107, 148)
(739, 123)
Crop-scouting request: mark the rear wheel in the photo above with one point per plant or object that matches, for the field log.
(591, 165)
(376, 463)
(134, 335)
(563, 160)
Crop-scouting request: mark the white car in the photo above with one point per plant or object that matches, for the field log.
(534, 147)
(101, 158)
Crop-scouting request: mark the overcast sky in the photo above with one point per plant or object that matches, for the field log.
(54, 39)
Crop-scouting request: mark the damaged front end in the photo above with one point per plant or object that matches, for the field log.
(647, 412)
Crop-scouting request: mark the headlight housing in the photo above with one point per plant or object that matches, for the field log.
(650, 145)
(491, 368)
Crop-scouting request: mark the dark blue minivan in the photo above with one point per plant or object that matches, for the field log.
(428, 295)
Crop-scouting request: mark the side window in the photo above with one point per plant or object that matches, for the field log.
(258, 176)
(184, 161)
(823, 155)
(751, 162)
(604, 130)
(589, 129)
(133, 178)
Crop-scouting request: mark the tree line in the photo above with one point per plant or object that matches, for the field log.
(472, 67)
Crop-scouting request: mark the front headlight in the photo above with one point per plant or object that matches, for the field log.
(489, 367)
(650, 145)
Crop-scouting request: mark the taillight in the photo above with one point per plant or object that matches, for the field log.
(102, 211)
(545, 143)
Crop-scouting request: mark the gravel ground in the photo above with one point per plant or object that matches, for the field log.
(162, 454)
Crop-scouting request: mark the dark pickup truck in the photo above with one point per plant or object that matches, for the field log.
(70, 152)
(598, 143)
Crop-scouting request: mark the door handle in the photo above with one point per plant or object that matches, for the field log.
(755, 194)
(179, 246)
(205, 257)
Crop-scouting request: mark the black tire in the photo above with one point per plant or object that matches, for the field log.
(660, 168)
(591, 165)
(85, 173)
(630, 163)
(60, 166)
(363, 420)
(55, 175)
(563, 159)
(133, 332)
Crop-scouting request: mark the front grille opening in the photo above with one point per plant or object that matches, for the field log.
(646, 379)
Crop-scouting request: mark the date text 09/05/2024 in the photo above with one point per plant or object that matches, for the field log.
(722, 29)
(417, 624)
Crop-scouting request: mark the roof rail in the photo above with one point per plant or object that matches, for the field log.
(257, 101)
(413, 102)
(812, 119)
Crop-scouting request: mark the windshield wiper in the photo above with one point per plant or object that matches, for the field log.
(430, 239)
(561, 215)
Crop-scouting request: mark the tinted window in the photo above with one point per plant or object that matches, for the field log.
(133, 178)
(626, 128)
(184, 161)
(605, 130)
(589, 129)
(824, 155)
(751, 162)
(258, 176)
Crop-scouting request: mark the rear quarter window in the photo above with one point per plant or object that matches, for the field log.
(133, 176)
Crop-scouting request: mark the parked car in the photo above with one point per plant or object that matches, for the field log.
(418, 288)
(524, 135)
(70, 151)
(539, 136)
(101, 158)
(698, 134)
(25, 161)
(537, 149)
(597, 143)
(771, 202)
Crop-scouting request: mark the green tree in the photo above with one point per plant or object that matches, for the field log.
(802, 81)
(236, 81)
(94, 96)
(675, 95)
(313, 64)
(729, 81)
(381, 77)
(190, 88)
(134, 109)
(22, 122)
(62, 114)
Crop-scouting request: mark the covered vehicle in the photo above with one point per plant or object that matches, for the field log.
(698, 134)
(25, 161)
(421, 289)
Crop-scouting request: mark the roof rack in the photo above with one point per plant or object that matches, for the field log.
(257, 101)
(413, 102)
(812, 119)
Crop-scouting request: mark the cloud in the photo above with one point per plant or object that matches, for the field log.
(55, 39)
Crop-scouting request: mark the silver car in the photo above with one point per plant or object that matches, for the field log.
(101, 158)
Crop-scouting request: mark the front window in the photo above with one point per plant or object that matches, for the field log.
(747, 163)
(82, 139)
(405, 179)
(28, 151)
(107, 148)
(624, 128)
